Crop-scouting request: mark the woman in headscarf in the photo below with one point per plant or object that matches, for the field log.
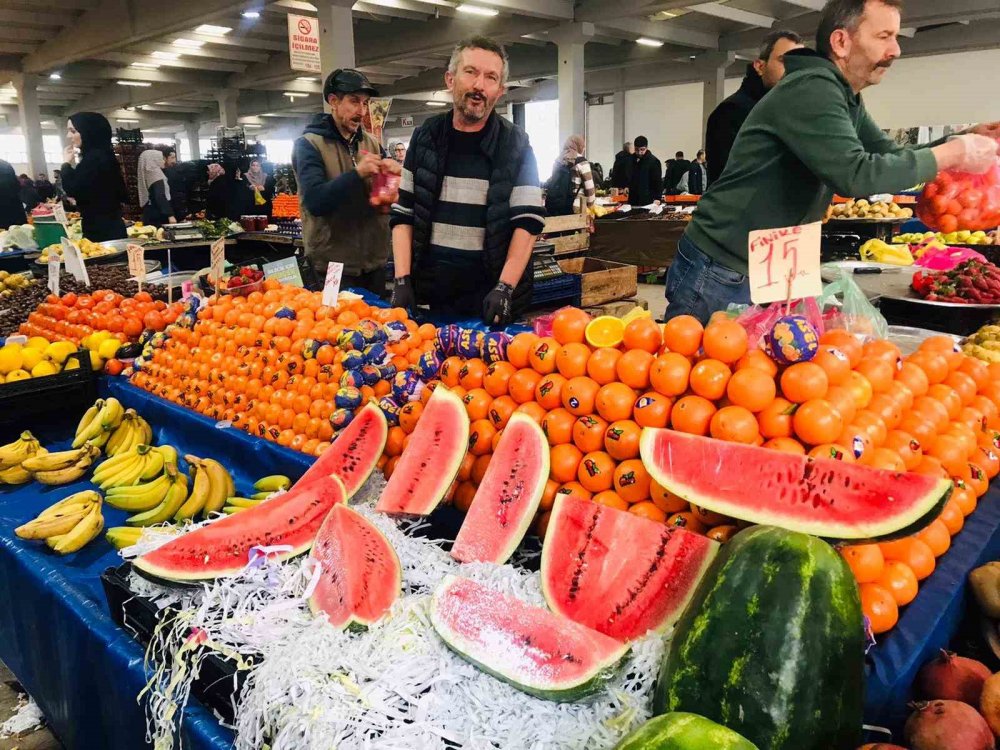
(93, 178)
(217, 200)
(11, 207)
(239, 195)
(571, 175)
(263, 184)
(154, 192)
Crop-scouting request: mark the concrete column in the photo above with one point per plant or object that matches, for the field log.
(336, 37)
(571, 40)
(715, 87)
(194, 145)
(228, 112)
(517, 112)
(31, 121)
(619, 120)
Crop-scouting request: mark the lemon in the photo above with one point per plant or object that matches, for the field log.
(30, 357)
(605, 331)
(58, 351)
(94, 340)
(73, 364)
(109, 348)
(44, 368)
(37, 342)
(14, 345)
(16, 375)
(634, 314)
(10, 359)
(96, 363)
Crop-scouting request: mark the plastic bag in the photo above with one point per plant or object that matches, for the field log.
(758, 321)
(945, 259)
(962, 201)
(258, 199)
(846, 306)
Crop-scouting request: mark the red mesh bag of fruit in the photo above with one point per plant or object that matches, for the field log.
(959, 200)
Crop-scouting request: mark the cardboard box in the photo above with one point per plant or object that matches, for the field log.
(602, 281)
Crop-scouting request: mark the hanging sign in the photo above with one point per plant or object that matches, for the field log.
(303, 43)
(784, 263)
(73, 260)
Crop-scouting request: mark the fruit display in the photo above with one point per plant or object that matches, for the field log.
(285, 206)
(984, 344)
(141, 231)
(872, 210)
(13, 454)
(879, 251)
(958, 201)
(528, 647)
(10, 283)
(241, 281)
(970, 282)
(36, 358)
(68, 525)
(61, 467)
(87, 249)
(940, 239)
(771, 594)
(683, 731)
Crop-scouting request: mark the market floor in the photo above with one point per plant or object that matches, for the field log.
(653, 296)
(40, 739)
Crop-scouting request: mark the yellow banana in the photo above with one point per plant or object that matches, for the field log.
(230, 509)
(15, 475)
(172, 502)
(53, 461)
(201, 487)
(106, 421)
(84, 428)
(112, 466)
(222, 485)
(58, 523)
(272, 483)
(122, 438)
(243, 502)
(14, 453)
(67, 474)
(139, 498)
(121, 537)
(86, 530)
(153, 462)
(169, 455)
(145, 430)
(78, 499)
(126, 474)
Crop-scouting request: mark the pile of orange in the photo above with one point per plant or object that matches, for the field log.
(73, 317)
(243, 364)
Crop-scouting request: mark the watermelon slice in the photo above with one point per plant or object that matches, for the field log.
(826, 498)
(360, 577)
(508, 497)
(222, 548)
(431, 461)
(528, 647)
(618, 573)
(353, 455)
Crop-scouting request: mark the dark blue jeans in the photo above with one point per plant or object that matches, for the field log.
(698, 286)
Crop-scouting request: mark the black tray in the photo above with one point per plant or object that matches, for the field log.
(24, 400)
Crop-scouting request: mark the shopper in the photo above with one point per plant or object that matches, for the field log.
(621, 170)
(216, 203)
(335, 162)
(45, 189)
(646, 184)
(763, 74)
(11, 208)
(697, 176)
(28, 192)
(571, 175)
(677, 169)
(262, 185)
(154, 191)
(399, 152)
(470, 205)
(177, 182)
(239, 195)
(809, 137)
(94, 178)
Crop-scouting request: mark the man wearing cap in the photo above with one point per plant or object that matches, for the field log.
(334, 162)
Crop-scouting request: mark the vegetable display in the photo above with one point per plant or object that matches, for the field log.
(971, 282)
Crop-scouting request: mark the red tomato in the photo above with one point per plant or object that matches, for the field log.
(154, 321)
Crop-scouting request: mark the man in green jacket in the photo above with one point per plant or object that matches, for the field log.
(809, 137)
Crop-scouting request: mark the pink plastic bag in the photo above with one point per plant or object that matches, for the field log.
(948, 258)
(760, 320)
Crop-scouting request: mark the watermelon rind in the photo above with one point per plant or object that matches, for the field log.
(772, 645)
(381, 585)
(488, 534)
(623, 590)
(307, 503)
(684, 731)
(733, 479)
(604, 654)
(358, 448)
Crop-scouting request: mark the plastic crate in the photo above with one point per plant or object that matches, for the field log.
(565, 288)
(23, 400)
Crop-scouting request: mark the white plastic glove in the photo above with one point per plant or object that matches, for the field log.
(980, 153)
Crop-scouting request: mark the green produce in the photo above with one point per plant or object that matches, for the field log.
(772, 645)
(683, 731)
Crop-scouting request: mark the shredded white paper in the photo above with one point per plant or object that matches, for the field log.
(395, 686)
(27, 718)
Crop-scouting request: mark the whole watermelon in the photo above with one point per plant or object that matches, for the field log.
(772, 645)
(683, 731)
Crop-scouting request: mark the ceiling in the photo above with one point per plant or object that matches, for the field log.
(82, 50)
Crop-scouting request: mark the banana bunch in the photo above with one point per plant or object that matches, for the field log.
(272, 483)
(14, 454)
(984, 344)
(99, 421)
(211, 485)
(61, 467)
(239, 504)
(69, 524)
(175, 496)
(131, 433)
(137, 465)
(882, 252)
(121, 537)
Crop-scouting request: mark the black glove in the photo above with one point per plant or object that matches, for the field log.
(496, 305)
(403, 294)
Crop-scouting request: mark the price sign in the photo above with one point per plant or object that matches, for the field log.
(285, 270)
(136, 261)
(784, 263)
(218, 257)
(59, 214)
(331, 289)
(54, 275)
(73, 259)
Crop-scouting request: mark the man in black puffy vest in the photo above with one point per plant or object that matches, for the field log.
(470, 204)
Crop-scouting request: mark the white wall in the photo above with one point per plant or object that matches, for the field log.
(669, 116)
(601, 146)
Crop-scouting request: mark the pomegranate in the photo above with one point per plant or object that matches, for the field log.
(989, 703)
(947, 725)
(952, 678)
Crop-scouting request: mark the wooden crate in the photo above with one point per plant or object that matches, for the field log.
(569, 223)
(571, 243)
(602, 281)
(616, 309)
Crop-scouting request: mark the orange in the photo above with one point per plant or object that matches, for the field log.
(758, 359)
(575, 489)
(631, 481)
(603, 365)
(888, 460)
(887, 408)
(669, 374)
(709, 379)
(472, 374)
(866, 561)
(842, 400)
(906, 447)
(615, 401)
(548, 496)
(803, 382)
(709, 518)
(785, 445)
(394, 442)
(665, 500)
(934, 365)
(548, 391)
(878, 372)
(920, 426)
(558, 426)
(542, 357)
(477, 405)
(831, 452)
(816, 422)
(972, 417)
(977, 370)
(605, 330)
(899, 580)
(931, 467)
(479, 469)
(633, 368)
(449, 371)
(465, 470)
(481, 433)
(497, 377)
(857, 440)
(950, 451)
(588, 433)
(938, 344)
(834, 362)
(884, 350)
(963, 385)
(966, 436)
(987, 460)
(846, 342)
(569, 325)
(873, 424)
(652, 409)
(686, 520)
(649, 510)
(915, 553)
(596, 471)
(522, 385)
(936, 536)
(621, 440)
(952, 517)
(860, 389)
(752, 389)
(978, 482)
(913, 378)
(725, 340)
(579, 395)
(776, 418)
(693, 415)
(643, 333)
(564, 460)
(948, 397)
(683, 335)
(610, 499)
(410, 413)
(735, 424)
(464, 496)
(571, 360)
(879, 606)
(964, 498)
(519, 348)
(533, 410)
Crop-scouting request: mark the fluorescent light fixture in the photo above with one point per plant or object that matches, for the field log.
(308, 79)
(127, 122)
(213, 30)
(141, 84)
(145, 66)
(252, 14)
(647, 42)
(252, 125)
(436, 104)
(161, 55)
(54, 76)
(476, 10)
(294, 94)
(188, 43)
